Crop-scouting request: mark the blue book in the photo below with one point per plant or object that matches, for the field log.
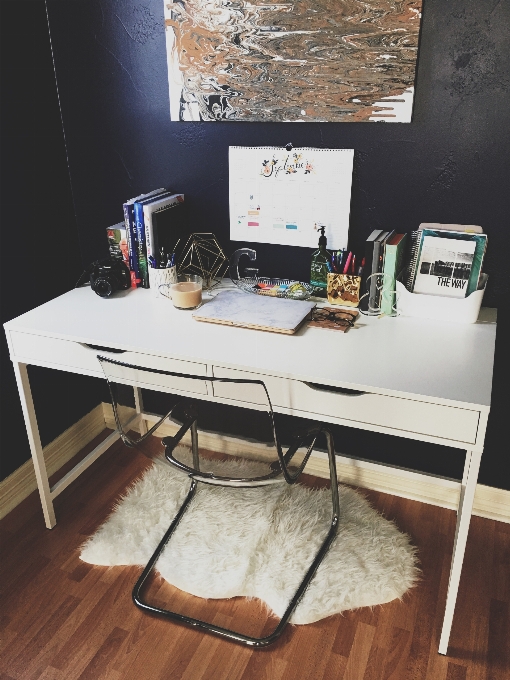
(140, 234)
(129, 223)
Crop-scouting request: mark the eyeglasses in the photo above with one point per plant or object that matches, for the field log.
(338, 317)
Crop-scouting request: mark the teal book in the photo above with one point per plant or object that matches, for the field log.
(479, 252)
(394, 252)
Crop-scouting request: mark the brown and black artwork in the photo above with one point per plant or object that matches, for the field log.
(303, 60)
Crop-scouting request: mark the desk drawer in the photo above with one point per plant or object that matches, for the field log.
(435, 420)
(77, 357)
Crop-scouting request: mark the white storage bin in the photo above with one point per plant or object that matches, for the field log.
(460, 310)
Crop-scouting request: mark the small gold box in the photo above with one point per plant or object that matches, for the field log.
(343, 289)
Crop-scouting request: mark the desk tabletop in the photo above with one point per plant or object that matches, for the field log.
(448, 363)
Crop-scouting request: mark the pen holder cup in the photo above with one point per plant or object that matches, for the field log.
(161, 277)
(343, 289)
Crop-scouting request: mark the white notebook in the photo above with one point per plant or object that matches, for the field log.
(235, 308)
(444, 267)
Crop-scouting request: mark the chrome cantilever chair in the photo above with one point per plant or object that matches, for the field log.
(279, 472)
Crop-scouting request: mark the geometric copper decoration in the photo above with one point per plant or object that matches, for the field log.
(203, 256)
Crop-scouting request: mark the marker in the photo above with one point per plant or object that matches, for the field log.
(348, 263)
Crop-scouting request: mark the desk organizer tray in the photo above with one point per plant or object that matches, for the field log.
(233, 308)
(459, 310)
(280, 288)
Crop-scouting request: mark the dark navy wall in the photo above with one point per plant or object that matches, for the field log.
(450, 165)
(39, 249)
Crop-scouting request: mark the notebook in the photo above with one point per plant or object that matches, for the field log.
(234, 308)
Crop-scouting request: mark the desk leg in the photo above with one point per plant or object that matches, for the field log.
(41, 474)
(139, 409)
(467, 496)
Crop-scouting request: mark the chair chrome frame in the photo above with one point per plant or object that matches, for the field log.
(279, 472)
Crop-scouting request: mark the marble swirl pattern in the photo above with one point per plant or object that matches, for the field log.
(304, 60)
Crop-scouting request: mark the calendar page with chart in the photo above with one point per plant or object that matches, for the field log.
(283, 197)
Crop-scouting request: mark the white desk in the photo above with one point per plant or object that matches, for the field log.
(418, 378)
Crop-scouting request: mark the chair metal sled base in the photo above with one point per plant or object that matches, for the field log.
(198, 477)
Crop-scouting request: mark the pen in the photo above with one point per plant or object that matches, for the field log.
(152, 262)
(360, 268)
(352, 270)
(162, 258)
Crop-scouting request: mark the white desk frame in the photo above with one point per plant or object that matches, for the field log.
(419, 379)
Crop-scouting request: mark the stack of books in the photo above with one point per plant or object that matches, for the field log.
(438, 259)
(154, 227)
(383, 264)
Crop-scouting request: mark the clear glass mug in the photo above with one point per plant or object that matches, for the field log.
(186, 292)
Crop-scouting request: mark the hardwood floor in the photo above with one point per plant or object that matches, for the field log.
(62, 619)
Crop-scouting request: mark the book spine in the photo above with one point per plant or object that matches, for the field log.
(141, 248)
(476, 271)
(414, 251)
(365, 280)
(388, 285)
(373, 300)
(117, 243)
(132, 247)
(149, 236)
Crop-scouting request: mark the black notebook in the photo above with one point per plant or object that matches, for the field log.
(170, 229)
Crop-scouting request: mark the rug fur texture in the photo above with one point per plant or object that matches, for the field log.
(257, 542)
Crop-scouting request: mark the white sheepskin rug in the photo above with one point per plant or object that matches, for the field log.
(257, 542)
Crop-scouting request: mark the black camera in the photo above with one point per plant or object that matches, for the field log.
(108, 276)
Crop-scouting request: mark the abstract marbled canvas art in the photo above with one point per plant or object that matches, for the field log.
(296, 61)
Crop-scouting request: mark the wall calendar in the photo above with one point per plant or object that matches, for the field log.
(283, 197)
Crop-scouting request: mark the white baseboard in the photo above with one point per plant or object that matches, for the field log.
(22, 482)
(490, 502)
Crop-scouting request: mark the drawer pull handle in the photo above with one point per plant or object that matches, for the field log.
(100, 348)
(337, 390)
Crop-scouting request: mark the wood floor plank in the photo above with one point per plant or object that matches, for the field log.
(360, 652)
(455, 672)
(395, 662)
(64, 620)
(335, 667)
(429, 592)
(22, 663)
(376, 663)
(105, 656)
(501, 566)
(498, 653)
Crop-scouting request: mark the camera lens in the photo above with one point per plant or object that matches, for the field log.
(105, 286)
